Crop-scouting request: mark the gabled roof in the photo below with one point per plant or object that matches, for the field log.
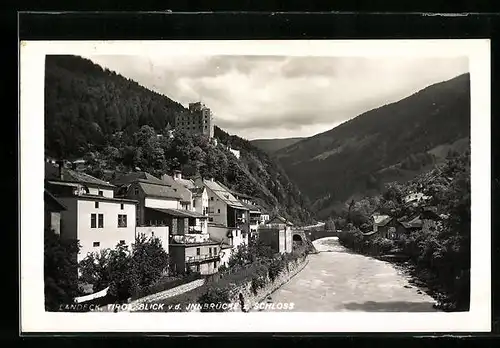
(281, 219)
(52, 173)
(137, 176)
(184, 192)
(224, 194)
(415, 222)
(159, 190)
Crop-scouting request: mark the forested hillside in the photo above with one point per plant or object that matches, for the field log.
(273, 145)
(395, 142)
(116, 125)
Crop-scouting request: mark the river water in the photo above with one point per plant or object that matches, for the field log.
(336, 280)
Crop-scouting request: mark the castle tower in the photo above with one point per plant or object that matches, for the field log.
(198, 120)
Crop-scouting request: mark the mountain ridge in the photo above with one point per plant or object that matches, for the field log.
(354, 152)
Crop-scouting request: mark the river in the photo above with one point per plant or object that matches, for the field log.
(336, 280)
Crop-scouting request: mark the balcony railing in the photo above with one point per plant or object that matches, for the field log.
(201, 258)
(190, 238)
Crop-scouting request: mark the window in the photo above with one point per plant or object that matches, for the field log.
(210, 251)
(121, 206)
(96, 244)
(197, 251)
(210, 219)
(122, 220)
(101, 193)
(236, 233)
(215, 264)
(211, 198)
(93, 220)
(218, 211)
(96, 205)
(101, 221)
(194, 203)
(136, 191)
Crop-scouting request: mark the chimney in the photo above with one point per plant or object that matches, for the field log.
(212, 179)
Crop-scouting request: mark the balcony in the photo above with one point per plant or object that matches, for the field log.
(191, 238)
(195, 229)
(202, 258)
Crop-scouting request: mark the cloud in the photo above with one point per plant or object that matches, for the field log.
(279, 96)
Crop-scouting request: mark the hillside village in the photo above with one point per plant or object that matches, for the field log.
(199, 221)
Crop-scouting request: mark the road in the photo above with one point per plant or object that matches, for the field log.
(336, 280)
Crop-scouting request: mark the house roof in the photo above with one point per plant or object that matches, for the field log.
(180, 213)
(51, 199)
(183, 191)
(381, 220)
(281, 219)
(137, 176)
(52, 173)
(159, 190)
(252, 208)
(224, 194)
(414, 222)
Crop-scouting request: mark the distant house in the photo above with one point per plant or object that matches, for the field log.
(277, 233)
(280, 221)
(93, 215)
(415, 198)
(385, 227)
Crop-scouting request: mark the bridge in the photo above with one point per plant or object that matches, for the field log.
(298, 235)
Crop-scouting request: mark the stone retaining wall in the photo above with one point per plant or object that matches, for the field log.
(170, 292)
(250, 299)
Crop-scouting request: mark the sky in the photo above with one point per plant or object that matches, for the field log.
(260, 97)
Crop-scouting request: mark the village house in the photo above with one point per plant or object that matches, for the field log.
(277, 233)
(160, 203)
(92, 215)
(195, 253)
(386, 227)
(228, 222)
(253, 214)
(196, 195)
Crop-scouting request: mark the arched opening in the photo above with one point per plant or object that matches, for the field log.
(297, 241)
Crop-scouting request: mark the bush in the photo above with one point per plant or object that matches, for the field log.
(127, 273)
(213, 298)
(276, 267)
(60, 271)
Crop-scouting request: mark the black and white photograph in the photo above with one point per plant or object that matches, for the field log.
(262, 183)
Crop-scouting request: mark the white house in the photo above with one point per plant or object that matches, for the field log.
(227, 212)
(92, 214)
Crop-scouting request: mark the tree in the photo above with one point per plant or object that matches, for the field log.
(60, 270)
(149, 261)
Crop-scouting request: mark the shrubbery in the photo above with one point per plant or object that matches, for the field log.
(126, 272)
(213, 297)
(60, 271)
